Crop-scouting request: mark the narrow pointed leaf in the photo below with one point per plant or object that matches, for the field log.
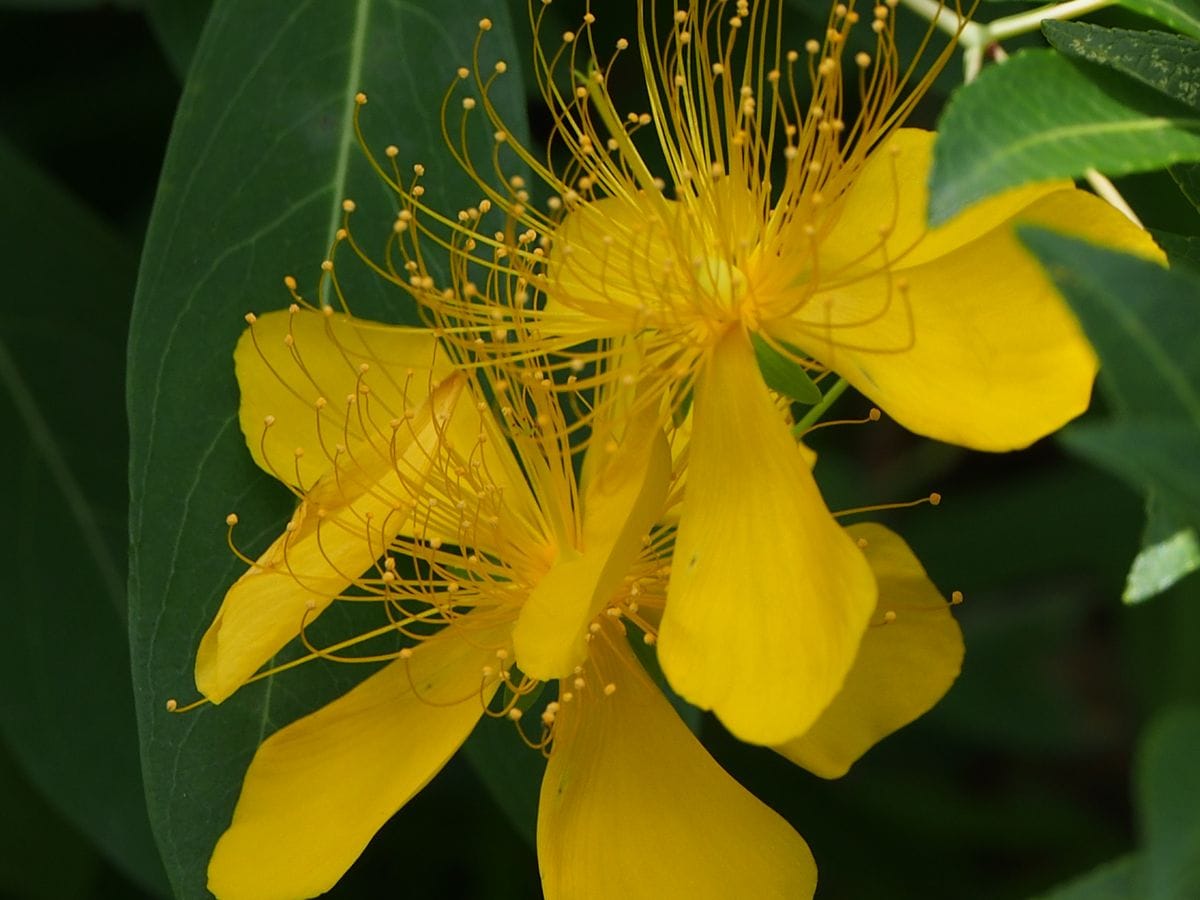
(1168, 63)
(1170, 551)
(783, 374)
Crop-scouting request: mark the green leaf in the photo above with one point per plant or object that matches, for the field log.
(44, 858)
(783, 374)
(1168, 63)
(510, 771)
(1187, 176)
(1167, 781)
(1142, 320)
(692, 716)
(1147, 454)
(177, 25)
(1040, 117)
(62, 6)
(1181, 15)
(260, 159)
(65, 705)
(1170, 551)
(1183, 251)
(1115, 880)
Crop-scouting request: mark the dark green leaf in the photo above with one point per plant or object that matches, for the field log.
(1187, 176)
(1168, 63)
(692, 717)
(1116, 880)
(43, 858)
(1141, 318)
(783, 374)
(1182, 251)
(1039, 117)
(62, 6)
(177, 25)
(1146, 454)
(260, 159)
(511, 772)
(65, 704)
(1168, 794)
(1181, 15)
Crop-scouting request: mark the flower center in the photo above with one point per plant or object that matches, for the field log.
(722, 282)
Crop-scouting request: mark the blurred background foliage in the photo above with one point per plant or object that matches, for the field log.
(1022, 778)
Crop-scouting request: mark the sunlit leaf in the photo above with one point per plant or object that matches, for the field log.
(1040, 116)
(1170, 551)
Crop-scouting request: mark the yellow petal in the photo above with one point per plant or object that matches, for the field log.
(624, 493)
(285, 361)
(615, 258)
(768, 597)
(318, 789)
(891, 194)
(338, 532)
(633, 807)
(975, 347)
(907, 661)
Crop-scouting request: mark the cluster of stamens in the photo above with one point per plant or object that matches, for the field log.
(451, 551)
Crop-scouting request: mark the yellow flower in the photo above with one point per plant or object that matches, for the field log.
(472, 535)
(771, 216)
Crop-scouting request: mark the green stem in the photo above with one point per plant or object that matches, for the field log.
(975, 37)
(822, 406)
